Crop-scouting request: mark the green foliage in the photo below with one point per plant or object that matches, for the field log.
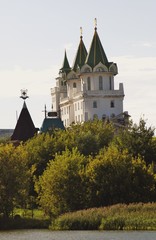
(89, 138)
(115, 177)
(14, 177)
(117, 217)
(87, 165)
(72, 181)
(61, 188)
(138, 140)
(27, 213)
(40, 150)
(92, 136)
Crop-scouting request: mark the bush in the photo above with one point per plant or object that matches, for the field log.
(117, 217)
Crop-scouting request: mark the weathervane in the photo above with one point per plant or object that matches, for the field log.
(24, 94)
(80, 32)
(95, 22)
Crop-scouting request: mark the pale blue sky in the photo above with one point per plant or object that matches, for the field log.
(35, 33)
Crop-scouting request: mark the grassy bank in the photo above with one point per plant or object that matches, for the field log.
(118, 217)
(25, 219)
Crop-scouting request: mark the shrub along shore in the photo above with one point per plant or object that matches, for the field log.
(117, 217)
(139, 216)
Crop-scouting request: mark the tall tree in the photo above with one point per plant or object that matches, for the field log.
(61, 188)
(114, 176)
(14, 178)
(138, 140)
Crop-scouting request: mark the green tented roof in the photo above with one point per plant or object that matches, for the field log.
(80, 55)
(65, 67)
(96, 53)
(51, 123)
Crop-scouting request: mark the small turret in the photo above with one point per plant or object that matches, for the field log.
(65, 67)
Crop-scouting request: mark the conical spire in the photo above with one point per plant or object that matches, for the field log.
(25, 128)
(96, 53)
(81, 54)
(65, 67)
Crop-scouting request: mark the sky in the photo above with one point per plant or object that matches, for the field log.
(35, 33)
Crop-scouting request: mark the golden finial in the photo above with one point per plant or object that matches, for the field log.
(80, 32)
(95, 22)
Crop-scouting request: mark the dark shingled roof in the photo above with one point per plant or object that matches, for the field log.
(65, 67)
(25, 128)
(80, 55)
(96, 53)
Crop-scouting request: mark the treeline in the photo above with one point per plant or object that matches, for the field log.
(90, 165)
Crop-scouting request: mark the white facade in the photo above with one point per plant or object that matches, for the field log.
(87, 92)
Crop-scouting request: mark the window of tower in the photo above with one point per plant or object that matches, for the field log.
(81, 105)
(100, 83)
(99, 69)
(74, 85)
(94, 104)
(112, 105)
(110, 83)
(88, 83)
(78, 106)
(75, 107)
(87, 70)
(81, 117)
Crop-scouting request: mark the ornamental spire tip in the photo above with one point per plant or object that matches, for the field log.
(95, 22)
(80, 32)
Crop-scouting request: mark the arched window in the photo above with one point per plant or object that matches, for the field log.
(100, 83)
(75, 107)
(110, 83)
(74, 85)
(112, 104)
(87, 70)
(88, 83)
(94, 104)
(104, 117)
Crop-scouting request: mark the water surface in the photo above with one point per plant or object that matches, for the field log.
(76, 235)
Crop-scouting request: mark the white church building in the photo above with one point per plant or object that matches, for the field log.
(86, 90)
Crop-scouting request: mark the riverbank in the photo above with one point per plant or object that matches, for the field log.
(25, 219)
(23, 223)
(117, 217)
